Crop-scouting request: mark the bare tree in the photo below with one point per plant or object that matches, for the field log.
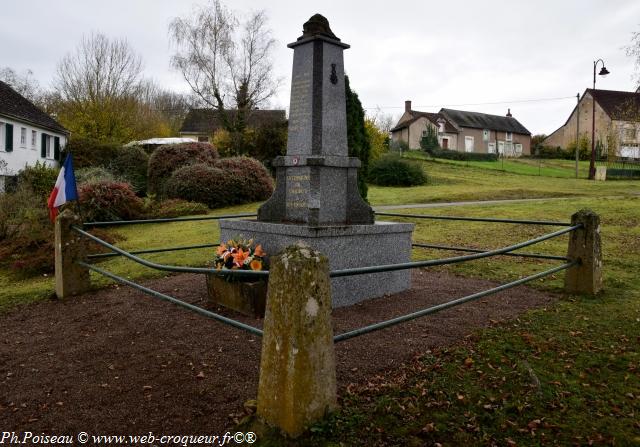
(225, 64)
(99, 70)
(23, 83)
(633, 51)
(97, 89)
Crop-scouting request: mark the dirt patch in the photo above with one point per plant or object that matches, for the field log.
(120, 362)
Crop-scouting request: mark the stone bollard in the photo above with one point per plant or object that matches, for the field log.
(71, 279)
(297, 369)
(584, 245)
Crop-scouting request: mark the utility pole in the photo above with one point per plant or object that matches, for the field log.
(577, 132)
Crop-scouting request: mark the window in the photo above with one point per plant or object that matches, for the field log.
(34, 139)
(1, 136)
(509, 136)
(45, 146)
(485, 135)
(518, 149)
(492, 148)
(469, 144)
(424, 133)
(23, 137)
(629, 134)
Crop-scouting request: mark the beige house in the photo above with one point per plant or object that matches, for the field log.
(464, 131)
(617, 122)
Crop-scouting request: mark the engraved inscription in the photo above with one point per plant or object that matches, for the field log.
(297, 191)
(300, 109)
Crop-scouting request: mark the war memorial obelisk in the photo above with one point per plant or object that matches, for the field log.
(316, 199)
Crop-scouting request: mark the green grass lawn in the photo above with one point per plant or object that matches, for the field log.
(524, 166)
(451, 183)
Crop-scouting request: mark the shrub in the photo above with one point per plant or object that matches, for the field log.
(200, 183)
(89, 153)
(167, 159)
(40, 178)
(176, 208)
(250, 180)
(93, 175)
(107, 201)
(463, 156)
(131, 163)
(395, 171)
(26, 234)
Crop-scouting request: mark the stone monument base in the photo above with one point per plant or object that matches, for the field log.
(345, 246)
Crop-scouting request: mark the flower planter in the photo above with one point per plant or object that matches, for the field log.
(246, 297)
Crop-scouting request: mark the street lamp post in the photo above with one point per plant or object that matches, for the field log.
(592, 163)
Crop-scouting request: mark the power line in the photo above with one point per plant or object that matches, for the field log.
(517, 101)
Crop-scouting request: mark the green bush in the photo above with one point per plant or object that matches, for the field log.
(89, 153)
(167, 159)
(40, 178)
(26, 233)
(106, 201)
(395, 171)
(250, 180)
(92, 175)
(176, 208)
(131, 163)
(200, 183)
(463, 156)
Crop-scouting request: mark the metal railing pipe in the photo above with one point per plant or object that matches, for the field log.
(171, 268)
(431, 310)
(151, 250)
(453, 260)
(474, 250)
(177, 302)
(476, 219)
(163, 220)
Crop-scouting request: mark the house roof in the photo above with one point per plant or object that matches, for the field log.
(207, 121)
(618, 105)
(485, 121)
(433, 117)
(14, 105)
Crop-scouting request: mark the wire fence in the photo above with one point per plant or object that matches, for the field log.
(263, 275)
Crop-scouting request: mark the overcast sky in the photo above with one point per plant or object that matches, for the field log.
(455, 54)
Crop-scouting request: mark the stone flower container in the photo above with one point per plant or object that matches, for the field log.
(241, 293)
(246, 297)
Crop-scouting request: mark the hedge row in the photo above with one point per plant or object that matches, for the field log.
(463, 156)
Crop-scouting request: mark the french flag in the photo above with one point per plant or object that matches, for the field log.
(65, 189)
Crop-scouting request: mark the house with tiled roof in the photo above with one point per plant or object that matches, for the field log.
(201, 124)
(617, 122)
(464, 131)
(27, 134)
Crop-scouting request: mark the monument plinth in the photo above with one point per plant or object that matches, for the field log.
(316, 199)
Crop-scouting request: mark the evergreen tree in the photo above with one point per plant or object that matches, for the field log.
(430, 141)
(357, 140)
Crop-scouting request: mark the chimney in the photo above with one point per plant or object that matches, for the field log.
(509, 113)
(407, 106)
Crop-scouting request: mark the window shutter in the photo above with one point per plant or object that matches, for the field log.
(56, 148)
(9, 137)
(43, 147)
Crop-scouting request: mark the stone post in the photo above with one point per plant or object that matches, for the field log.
(71, 279)
(584, 245)
(297, 370)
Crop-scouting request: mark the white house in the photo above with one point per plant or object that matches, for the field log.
(27, 134)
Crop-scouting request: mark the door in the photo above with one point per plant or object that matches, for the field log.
(445, 143)
(468, 144)
(492, 148)
(501, 147)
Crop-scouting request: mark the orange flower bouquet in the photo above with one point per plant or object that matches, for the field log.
(240, 254)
